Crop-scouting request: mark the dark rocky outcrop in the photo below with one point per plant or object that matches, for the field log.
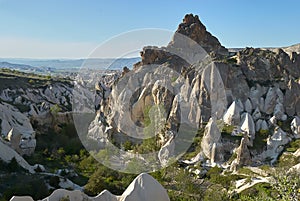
(194, 29)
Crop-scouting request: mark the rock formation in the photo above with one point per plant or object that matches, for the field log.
(248, 127)
(143, 187)
(194, 29)
(275, 144)
(146, 188)
(232, 115)
(243, 156)
(166, 152)
(7, 154)
(24, 143)
(292, 98)
(211, 139)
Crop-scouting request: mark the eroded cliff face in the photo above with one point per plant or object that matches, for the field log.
(29, 104)
(251, 90)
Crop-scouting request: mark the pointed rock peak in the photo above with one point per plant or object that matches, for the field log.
(105, 196)
(194, 29)
(212, 129)
(211, 136)
(145, 187)
(243, 153)
(232, 115)
(248, 125)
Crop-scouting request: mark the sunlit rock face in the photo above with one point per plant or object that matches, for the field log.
(232, 115)
(194, 29)
(211, 142)
(248, 127)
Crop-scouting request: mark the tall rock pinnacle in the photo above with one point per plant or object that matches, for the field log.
(194, 29)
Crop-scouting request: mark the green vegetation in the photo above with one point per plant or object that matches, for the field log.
(55, 109)
(293, 146)
(65, 199)
(226, 133)
(260, 141)
(16, 79)
(18, 183)
(173, 79)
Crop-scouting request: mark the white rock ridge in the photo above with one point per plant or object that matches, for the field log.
(142, 188)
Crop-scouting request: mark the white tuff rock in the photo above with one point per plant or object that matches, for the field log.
(275, 144)
(166, 152)
(143, 187)
(248, 126)
(270, 101)
(232, 115)
(211, 136)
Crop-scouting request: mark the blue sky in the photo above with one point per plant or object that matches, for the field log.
(73, 28)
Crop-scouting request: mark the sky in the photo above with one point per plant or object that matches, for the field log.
(75, 28)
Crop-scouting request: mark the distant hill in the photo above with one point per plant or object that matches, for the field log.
(24, 67)
(288, 49)
(60, 64)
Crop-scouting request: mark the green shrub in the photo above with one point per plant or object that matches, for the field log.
(216, 192)
(54, 181)
(67, 198)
